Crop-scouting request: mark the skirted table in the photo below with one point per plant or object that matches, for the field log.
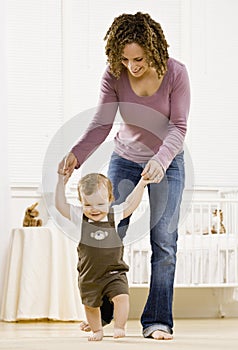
(41, 277)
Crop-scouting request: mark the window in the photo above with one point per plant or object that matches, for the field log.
(56, 60)
(35, 103)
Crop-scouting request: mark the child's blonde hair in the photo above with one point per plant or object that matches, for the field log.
(90, 183)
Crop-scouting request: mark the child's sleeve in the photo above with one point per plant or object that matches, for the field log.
(118, 213)
(76, 214)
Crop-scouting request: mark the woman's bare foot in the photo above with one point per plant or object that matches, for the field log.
(96, 336)
(161, 335)
(119, 333)
(84, 326)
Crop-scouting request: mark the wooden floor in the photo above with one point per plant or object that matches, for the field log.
(192, 334)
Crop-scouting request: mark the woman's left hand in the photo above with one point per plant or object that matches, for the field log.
(153, 171)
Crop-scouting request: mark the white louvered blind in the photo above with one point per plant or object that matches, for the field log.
(213, 138)
(55, 67)
(34, 84)
(41, 83)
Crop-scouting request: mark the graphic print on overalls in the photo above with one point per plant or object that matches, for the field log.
(100, 234)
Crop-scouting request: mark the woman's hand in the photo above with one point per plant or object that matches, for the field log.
(153, 171)
(67, 166)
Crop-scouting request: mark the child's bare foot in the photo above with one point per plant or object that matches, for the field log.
(119, 333)
(96, 336)
(161, 335)
(84, 326)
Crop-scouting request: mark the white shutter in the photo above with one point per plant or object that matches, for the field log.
(213, 133)
(34, 84)
(45, 82)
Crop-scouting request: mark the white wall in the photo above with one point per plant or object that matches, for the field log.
(191, 302)
(4, 185)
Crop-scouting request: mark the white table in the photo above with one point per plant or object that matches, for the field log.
(41, 277)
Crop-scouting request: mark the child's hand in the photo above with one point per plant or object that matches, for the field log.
(145, 182)
(155, 181)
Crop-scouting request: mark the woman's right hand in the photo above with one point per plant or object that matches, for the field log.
(153, 171)
(67, 166)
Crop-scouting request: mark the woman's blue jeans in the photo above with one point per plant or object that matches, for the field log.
(165, 199)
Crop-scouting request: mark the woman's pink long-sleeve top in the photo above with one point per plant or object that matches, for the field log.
(151, 126)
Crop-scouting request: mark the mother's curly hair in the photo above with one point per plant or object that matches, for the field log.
(141, 29)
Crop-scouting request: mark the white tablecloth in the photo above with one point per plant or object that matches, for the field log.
(41, 277)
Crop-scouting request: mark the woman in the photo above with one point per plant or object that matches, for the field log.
(152, 93)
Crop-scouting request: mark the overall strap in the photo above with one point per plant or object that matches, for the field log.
(85, 218)
(110, 216)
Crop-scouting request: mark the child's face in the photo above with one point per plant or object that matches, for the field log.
(96, 205)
